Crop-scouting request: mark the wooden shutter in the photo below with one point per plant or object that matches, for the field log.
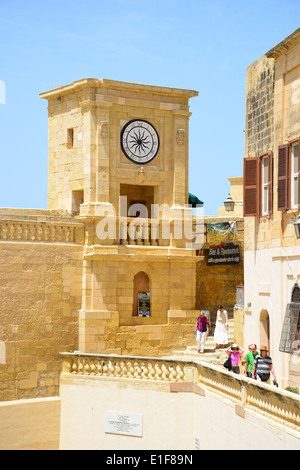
(251, 186)
(270, 182)
(283, 177)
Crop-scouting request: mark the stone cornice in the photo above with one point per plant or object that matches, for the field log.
(282, 47)
(114, 84)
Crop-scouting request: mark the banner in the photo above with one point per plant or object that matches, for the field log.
(222, 232)
(143, 304)
(226, 253)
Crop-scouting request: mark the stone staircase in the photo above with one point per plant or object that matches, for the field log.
(211, 355)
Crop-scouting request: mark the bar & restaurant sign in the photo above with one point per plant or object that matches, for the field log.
(223, 243)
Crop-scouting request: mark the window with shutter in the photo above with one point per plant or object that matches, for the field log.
(290, 333)
(283, 177)
(264, 185)
(251, 186)
(270, 183)
(295, 175)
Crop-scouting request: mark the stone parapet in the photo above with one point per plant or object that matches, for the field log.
(245, 394)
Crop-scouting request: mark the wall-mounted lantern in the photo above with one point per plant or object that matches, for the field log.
(229, 204)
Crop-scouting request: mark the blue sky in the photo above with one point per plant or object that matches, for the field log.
(204, 46)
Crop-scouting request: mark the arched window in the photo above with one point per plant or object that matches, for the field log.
(141, 284)
(265, 328)
(290, 333)
(296, 294)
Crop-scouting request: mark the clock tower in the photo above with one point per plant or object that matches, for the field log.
(107, 137)
(118, 162)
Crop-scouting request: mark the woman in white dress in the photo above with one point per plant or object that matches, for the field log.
(220, 336)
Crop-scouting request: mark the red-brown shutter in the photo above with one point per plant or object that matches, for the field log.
(251, 186)
(283, 177)
(270, 182)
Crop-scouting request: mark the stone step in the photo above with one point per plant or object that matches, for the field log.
(217, 357)
(211, 354)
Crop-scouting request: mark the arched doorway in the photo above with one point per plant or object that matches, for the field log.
(140, 284)
(264, 329)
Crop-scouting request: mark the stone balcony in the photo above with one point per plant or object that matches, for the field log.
(39, 226)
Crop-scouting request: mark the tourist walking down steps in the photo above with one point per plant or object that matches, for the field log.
(201, 330)
(235, 352)
(220, 335)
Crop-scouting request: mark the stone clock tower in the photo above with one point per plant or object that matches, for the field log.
(118, 162)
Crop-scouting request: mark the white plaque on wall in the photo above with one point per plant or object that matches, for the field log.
(128, 424)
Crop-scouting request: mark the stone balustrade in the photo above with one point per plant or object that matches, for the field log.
(247, 394)
(189, 231)
(23, 230)
(139, 232)
(124, 367)
(128, 231)
(261, 398)
(160, 232)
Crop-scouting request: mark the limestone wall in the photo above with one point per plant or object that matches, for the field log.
(58, 294)
(99, 332)
(40, 297)
(259, 107)
(30, 424)
(216, 285)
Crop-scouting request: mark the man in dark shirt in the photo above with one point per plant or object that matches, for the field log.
(263, 366)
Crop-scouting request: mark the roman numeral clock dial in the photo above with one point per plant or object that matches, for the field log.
(139, 141)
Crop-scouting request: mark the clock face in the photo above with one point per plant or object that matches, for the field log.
(139, 141)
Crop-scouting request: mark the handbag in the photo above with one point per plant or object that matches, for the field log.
(227, 363)
(264, 377)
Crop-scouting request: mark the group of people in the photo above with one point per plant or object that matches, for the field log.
(257, 365)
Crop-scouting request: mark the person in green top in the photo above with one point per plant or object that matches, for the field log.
(249, 359)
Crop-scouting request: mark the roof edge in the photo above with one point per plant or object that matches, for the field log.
(283, 45)
(106, 83)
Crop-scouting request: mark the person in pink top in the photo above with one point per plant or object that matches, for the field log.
(235, 352)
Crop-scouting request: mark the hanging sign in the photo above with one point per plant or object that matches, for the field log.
(222, 232)
(143, 304)
(226, 253)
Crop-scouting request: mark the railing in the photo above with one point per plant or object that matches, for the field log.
(186, 233)
(37, 231)
(124, 367)
(140, 232)
(160, 232)
(266, 400)
(189, 231)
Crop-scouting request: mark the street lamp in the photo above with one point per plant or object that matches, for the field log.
(229, 204)
(297, 227)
